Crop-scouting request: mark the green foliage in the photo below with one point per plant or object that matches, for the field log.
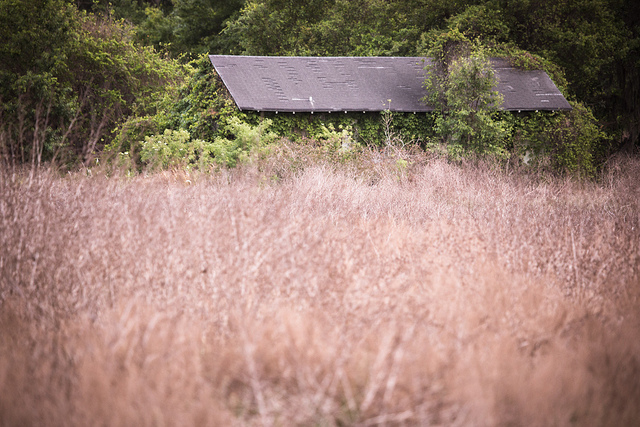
(336, 27)
(322, 127)
(183, 28)
(34, 40)
(461, 86)
(171, 149)
(199, 105)
(562, 141)
(190, 27)
(68, 78)
(197, 126)
(157, 30)
(244, 139)
(481, 23)
(467, 116)
(204, 105)
(356, 128)
(277, 26)
(131, 10)
(176, 148)
(581, 36)
(414, 128)
(325, 27)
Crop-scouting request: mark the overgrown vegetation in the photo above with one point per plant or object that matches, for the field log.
(199, 265)
(68, 78)
(595, 42)
(297, 290)
(76, 76)
(461, 86)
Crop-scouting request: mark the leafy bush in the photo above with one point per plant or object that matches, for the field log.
(563, 141)
(198, 103)
(461, 86)
(204, 106)
(176, 148)
(198, 126)
(245, 138)
(68, 78)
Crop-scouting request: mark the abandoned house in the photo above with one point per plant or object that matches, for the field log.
(362, 84)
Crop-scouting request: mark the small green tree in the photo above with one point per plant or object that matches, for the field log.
(461, 86)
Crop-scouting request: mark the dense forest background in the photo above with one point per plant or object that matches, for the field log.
(79, 77)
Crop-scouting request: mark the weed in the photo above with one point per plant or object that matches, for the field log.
(459, 294)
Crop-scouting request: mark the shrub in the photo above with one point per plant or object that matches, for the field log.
(245, 138)
(171, 148)
(564, 141)
(461, 86)
(176, 148)
(68, 78)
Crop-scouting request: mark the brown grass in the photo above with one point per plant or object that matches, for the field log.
(436, 295)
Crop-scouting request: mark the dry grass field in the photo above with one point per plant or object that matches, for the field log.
(439, 294)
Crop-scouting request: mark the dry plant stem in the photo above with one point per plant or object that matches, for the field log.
(249, 350)
(340, 293)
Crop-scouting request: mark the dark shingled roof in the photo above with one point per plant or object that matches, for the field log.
(325, 84)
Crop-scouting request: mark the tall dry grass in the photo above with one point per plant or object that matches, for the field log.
(437, 295)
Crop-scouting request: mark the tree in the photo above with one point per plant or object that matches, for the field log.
(591, 40)
(461, 86)
(336, 27)
(33, 52)
(68, 78)
(190, 27)
(277, 27)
